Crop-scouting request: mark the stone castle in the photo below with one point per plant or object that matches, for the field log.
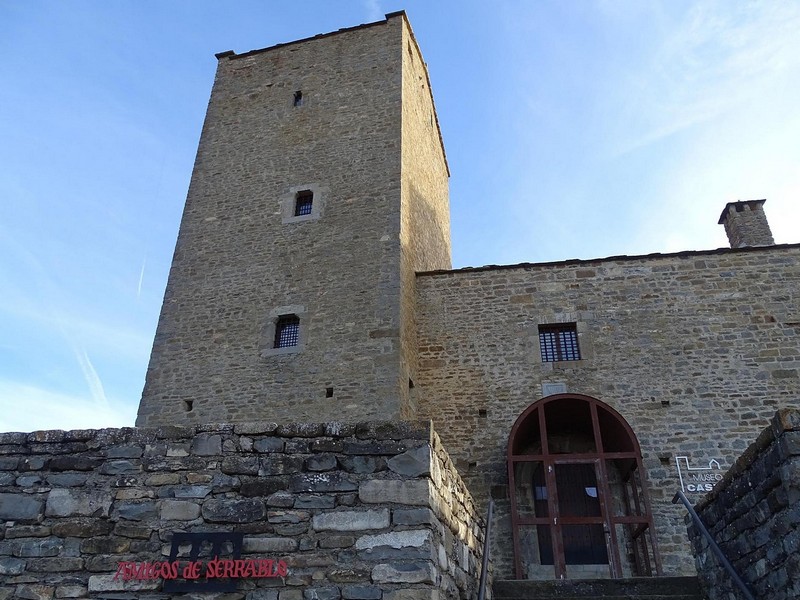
(312, 283)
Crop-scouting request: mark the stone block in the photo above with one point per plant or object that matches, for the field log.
(362, 464)
(120, 467)
(105, 545)
(205, 444)
(233, 511)
(413, 492)
(322, 593)
(268, 444)
(11, 566)
(361, 592)
(28, 481)
(40, 547)
(61, 564)
(412, 463)
(290, 594)
(262, 595)
(124, 452)
(240, 465)
(189, 491)
(35, 463)
(415, 538)
(372, 447)
(258, 545)
(71, 591)
(280, 464)
(281, 499)
(337, 541)
(19, 507)
(351, 520)
(321, 462)
(178, 510)
(27, 531)
(349, 575)
(255, 427)
(263, 486)
(107, 583)
(34, 592)
(67, 479)
(412, 594)
(404, 572)
(75, 463)
(288, 516)
(333, 481)
(315, 501)
(68, 503)
(413, 516)
(82, 528)
(141, 511)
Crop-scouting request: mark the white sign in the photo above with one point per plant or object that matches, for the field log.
(698, 479)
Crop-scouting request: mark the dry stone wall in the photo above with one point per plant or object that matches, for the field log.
(754, 516)
(370, 511)
(695, 350)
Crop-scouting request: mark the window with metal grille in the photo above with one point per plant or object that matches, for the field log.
(287, 331)
(303, 203)
(559, 342)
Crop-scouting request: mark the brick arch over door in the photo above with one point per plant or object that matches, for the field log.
(579, 502)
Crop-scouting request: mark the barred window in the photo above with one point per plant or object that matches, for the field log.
(287, 331)
(303, 203)
(559, 342)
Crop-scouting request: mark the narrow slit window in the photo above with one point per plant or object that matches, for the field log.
(304, 202)
(559, 342)
(298, 98)
(287, 331)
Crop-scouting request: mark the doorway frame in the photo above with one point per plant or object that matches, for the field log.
(640, 525)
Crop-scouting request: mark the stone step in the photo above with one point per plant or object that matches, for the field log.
(651, 588)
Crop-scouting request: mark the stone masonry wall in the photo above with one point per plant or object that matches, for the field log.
(370, 511)
(754, 516)
(696, 351)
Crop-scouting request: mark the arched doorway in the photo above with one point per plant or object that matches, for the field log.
(579, 503)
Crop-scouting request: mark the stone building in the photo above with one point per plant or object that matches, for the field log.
(312, 282)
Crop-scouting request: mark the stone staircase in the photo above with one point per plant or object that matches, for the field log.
(646, 588)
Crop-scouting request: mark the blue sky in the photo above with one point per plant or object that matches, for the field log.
(573, 130)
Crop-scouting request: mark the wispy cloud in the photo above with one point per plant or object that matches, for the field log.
(92, 378)
(373, 8)
(54, 410)
(141, 279)
(719, 57)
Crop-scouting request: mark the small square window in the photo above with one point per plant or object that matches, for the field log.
(287, 331)
(559, 342)
(304, 201)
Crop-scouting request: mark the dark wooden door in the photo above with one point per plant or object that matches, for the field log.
(584, 542)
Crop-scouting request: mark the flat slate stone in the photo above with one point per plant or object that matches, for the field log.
(404, 572)
(412, 463)
(333, 481)
(223, 510)
(361, 592)
(19, 507)
(68, 503)
(11, 566)
(351, 520)
(379, 491)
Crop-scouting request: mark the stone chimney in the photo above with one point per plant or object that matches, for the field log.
(746, 224)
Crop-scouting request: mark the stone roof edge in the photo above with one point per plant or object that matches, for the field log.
(621, 257)
(230, 54)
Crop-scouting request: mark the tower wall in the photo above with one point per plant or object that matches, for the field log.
(243, 258)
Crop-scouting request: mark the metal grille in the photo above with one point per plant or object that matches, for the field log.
(287, 331)
(305, 200)
(559, 342)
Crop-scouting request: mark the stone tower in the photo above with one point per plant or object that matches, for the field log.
(320, 187)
